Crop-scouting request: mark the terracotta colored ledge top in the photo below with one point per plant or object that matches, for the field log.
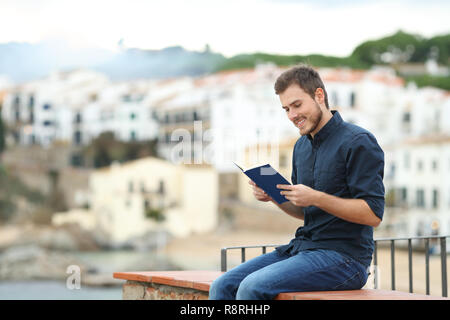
(363, 294)
(201, 280)
(197, 279)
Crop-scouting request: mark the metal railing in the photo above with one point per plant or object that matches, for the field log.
(426, 239)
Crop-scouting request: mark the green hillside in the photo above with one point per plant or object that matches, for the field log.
(399, 48)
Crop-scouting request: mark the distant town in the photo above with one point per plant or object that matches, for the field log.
(187, 130)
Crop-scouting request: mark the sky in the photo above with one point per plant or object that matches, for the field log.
(230, 27)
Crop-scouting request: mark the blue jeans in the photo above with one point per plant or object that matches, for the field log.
(265, 276)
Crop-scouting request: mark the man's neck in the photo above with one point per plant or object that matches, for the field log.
(327, 115)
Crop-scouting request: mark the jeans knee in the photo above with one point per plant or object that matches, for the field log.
(250, 289)
(214, 288)
(221, 289)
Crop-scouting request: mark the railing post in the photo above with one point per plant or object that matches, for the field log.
(427, 265)
(410, 267)
(393, 264)
(243, 255)
(223, 259)
(375, 264)
(444, 265)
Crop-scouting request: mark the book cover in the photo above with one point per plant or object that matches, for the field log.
(267, 178)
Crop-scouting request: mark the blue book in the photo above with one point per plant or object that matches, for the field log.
(267, 179)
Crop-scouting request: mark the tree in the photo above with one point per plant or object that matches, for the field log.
(105, 149)
(2, 135)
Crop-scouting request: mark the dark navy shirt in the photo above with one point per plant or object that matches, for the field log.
(346, 161)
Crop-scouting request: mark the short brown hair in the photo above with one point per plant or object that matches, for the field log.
(303, 75)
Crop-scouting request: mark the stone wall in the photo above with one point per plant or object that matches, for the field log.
(134, 290)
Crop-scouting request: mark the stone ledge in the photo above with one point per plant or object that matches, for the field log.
(363, 294)
(134, 290)
(194, 285)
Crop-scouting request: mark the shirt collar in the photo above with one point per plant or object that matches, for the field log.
(328, 128)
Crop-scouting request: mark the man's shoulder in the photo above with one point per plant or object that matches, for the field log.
(352, 132)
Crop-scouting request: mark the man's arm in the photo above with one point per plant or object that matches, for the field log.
(352, 210)
(291, 209)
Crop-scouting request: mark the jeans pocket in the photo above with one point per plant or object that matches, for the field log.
(352, 283)
(356, 279)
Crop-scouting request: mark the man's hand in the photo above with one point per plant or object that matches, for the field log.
(353, 210)
(299, 194)
(259, 193)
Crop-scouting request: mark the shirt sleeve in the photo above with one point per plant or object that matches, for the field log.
(365, 170)
(294, 167)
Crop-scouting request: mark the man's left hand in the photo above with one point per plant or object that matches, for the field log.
(299, 194)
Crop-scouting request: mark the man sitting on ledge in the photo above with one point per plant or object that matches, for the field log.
(337, 177)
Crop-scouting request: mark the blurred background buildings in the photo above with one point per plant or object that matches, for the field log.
(225, 116)
(119, 159)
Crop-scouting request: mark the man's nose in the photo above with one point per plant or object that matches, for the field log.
(292, 115)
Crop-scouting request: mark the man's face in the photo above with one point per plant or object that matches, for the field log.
(304, 112)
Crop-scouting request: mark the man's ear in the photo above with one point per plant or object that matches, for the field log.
(319, 96)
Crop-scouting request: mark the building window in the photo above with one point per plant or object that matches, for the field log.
(133, 135)
(77, 137)
(352, 100)
(76, 160)
(404, 195)
(391, 173)
(47, 106)
(420, 198)
(130, 187)
(407, 160)
(162, 188)
(47, 123)
(420, 165)
(435, 198)
(133, 116)
(31, 101)
(17, 113)
(335, 98)
(434, 165)
(406, 118)
(78, 118)
(17, 101)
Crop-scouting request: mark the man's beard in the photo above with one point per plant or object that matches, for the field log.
(314, 120)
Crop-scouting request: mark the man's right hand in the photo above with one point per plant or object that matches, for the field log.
(259, 193)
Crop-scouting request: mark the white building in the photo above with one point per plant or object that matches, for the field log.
(43, 111)
(417, 184)
(76, 107)
(367, 98)
(123, 197)
(221, 115)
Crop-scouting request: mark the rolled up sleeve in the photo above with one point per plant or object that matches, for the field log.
(365, 170)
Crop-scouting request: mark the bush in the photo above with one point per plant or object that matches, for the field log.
(155, 214)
